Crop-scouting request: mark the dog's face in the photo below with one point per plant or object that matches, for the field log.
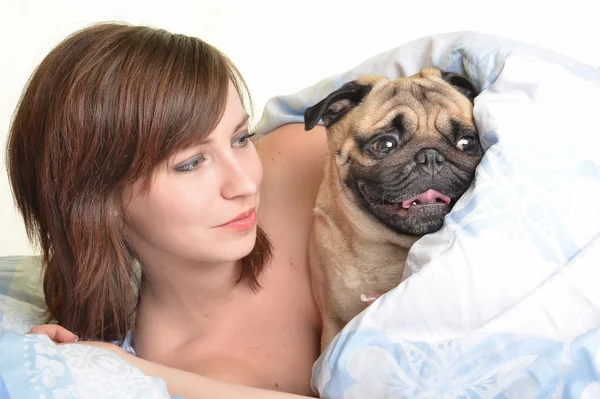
(405, 149)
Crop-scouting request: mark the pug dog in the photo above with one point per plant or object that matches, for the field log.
(401, 153)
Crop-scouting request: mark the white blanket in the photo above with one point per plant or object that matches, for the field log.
(503, 301)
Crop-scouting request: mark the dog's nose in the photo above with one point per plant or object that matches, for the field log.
(431, 160)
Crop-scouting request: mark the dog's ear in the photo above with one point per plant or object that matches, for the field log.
(335, 105)
(461, 84)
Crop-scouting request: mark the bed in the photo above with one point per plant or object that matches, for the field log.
(501, 303)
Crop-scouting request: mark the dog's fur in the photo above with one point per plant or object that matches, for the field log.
(402, 152)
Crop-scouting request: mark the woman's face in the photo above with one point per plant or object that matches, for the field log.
(202, 203)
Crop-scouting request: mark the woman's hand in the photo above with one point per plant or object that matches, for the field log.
(61, 335)
(56, 333)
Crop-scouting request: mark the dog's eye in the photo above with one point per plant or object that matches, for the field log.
(466, 143)
(382, 146)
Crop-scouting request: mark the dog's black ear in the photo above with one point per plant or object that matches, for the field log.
(335, 105)
(461, 84)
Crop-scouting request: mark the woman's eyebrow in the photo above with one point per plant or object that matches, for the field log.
(242, 123)
(209, 140)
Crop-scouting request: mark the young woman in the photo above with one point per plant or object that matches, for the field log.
(131, 160)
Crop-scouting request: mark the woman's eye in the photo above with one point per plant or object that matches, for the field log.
(191, 165)
(243, 139)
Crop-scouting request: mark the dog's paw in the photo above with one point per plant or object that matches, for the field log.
(368, 297)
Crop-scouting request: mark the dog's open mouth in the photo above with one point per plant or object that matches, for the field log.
(428, 199)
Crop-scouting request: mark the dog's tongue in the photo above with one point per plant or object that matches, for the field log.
(428, 197)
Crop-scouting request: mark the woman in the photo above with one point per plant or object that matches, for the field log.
(131, 146)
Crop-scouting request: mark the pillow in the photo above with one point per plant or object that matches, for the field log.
(33, 366)
(502, 302)
(22, 301)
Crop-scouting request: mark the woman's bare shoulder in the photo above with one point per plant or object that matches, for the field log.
(293, 161)
(293, 152)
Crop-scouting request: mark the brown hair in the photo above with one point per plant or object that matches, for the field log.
(102, 109)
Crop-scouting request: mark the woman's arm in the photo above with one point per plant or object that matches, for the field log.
(179, 382)
(194, 386)
(191, 385)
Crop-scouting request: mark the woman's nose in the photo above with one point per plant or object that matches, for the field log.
(241, 180)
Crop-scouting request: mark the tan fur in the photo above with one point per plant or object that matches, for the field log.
(351, 252)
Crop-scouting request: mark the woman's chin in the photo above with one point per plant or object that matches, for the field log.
(239, 247)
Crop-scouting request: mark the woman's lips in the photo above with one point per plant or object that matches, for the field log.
(242, 222)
